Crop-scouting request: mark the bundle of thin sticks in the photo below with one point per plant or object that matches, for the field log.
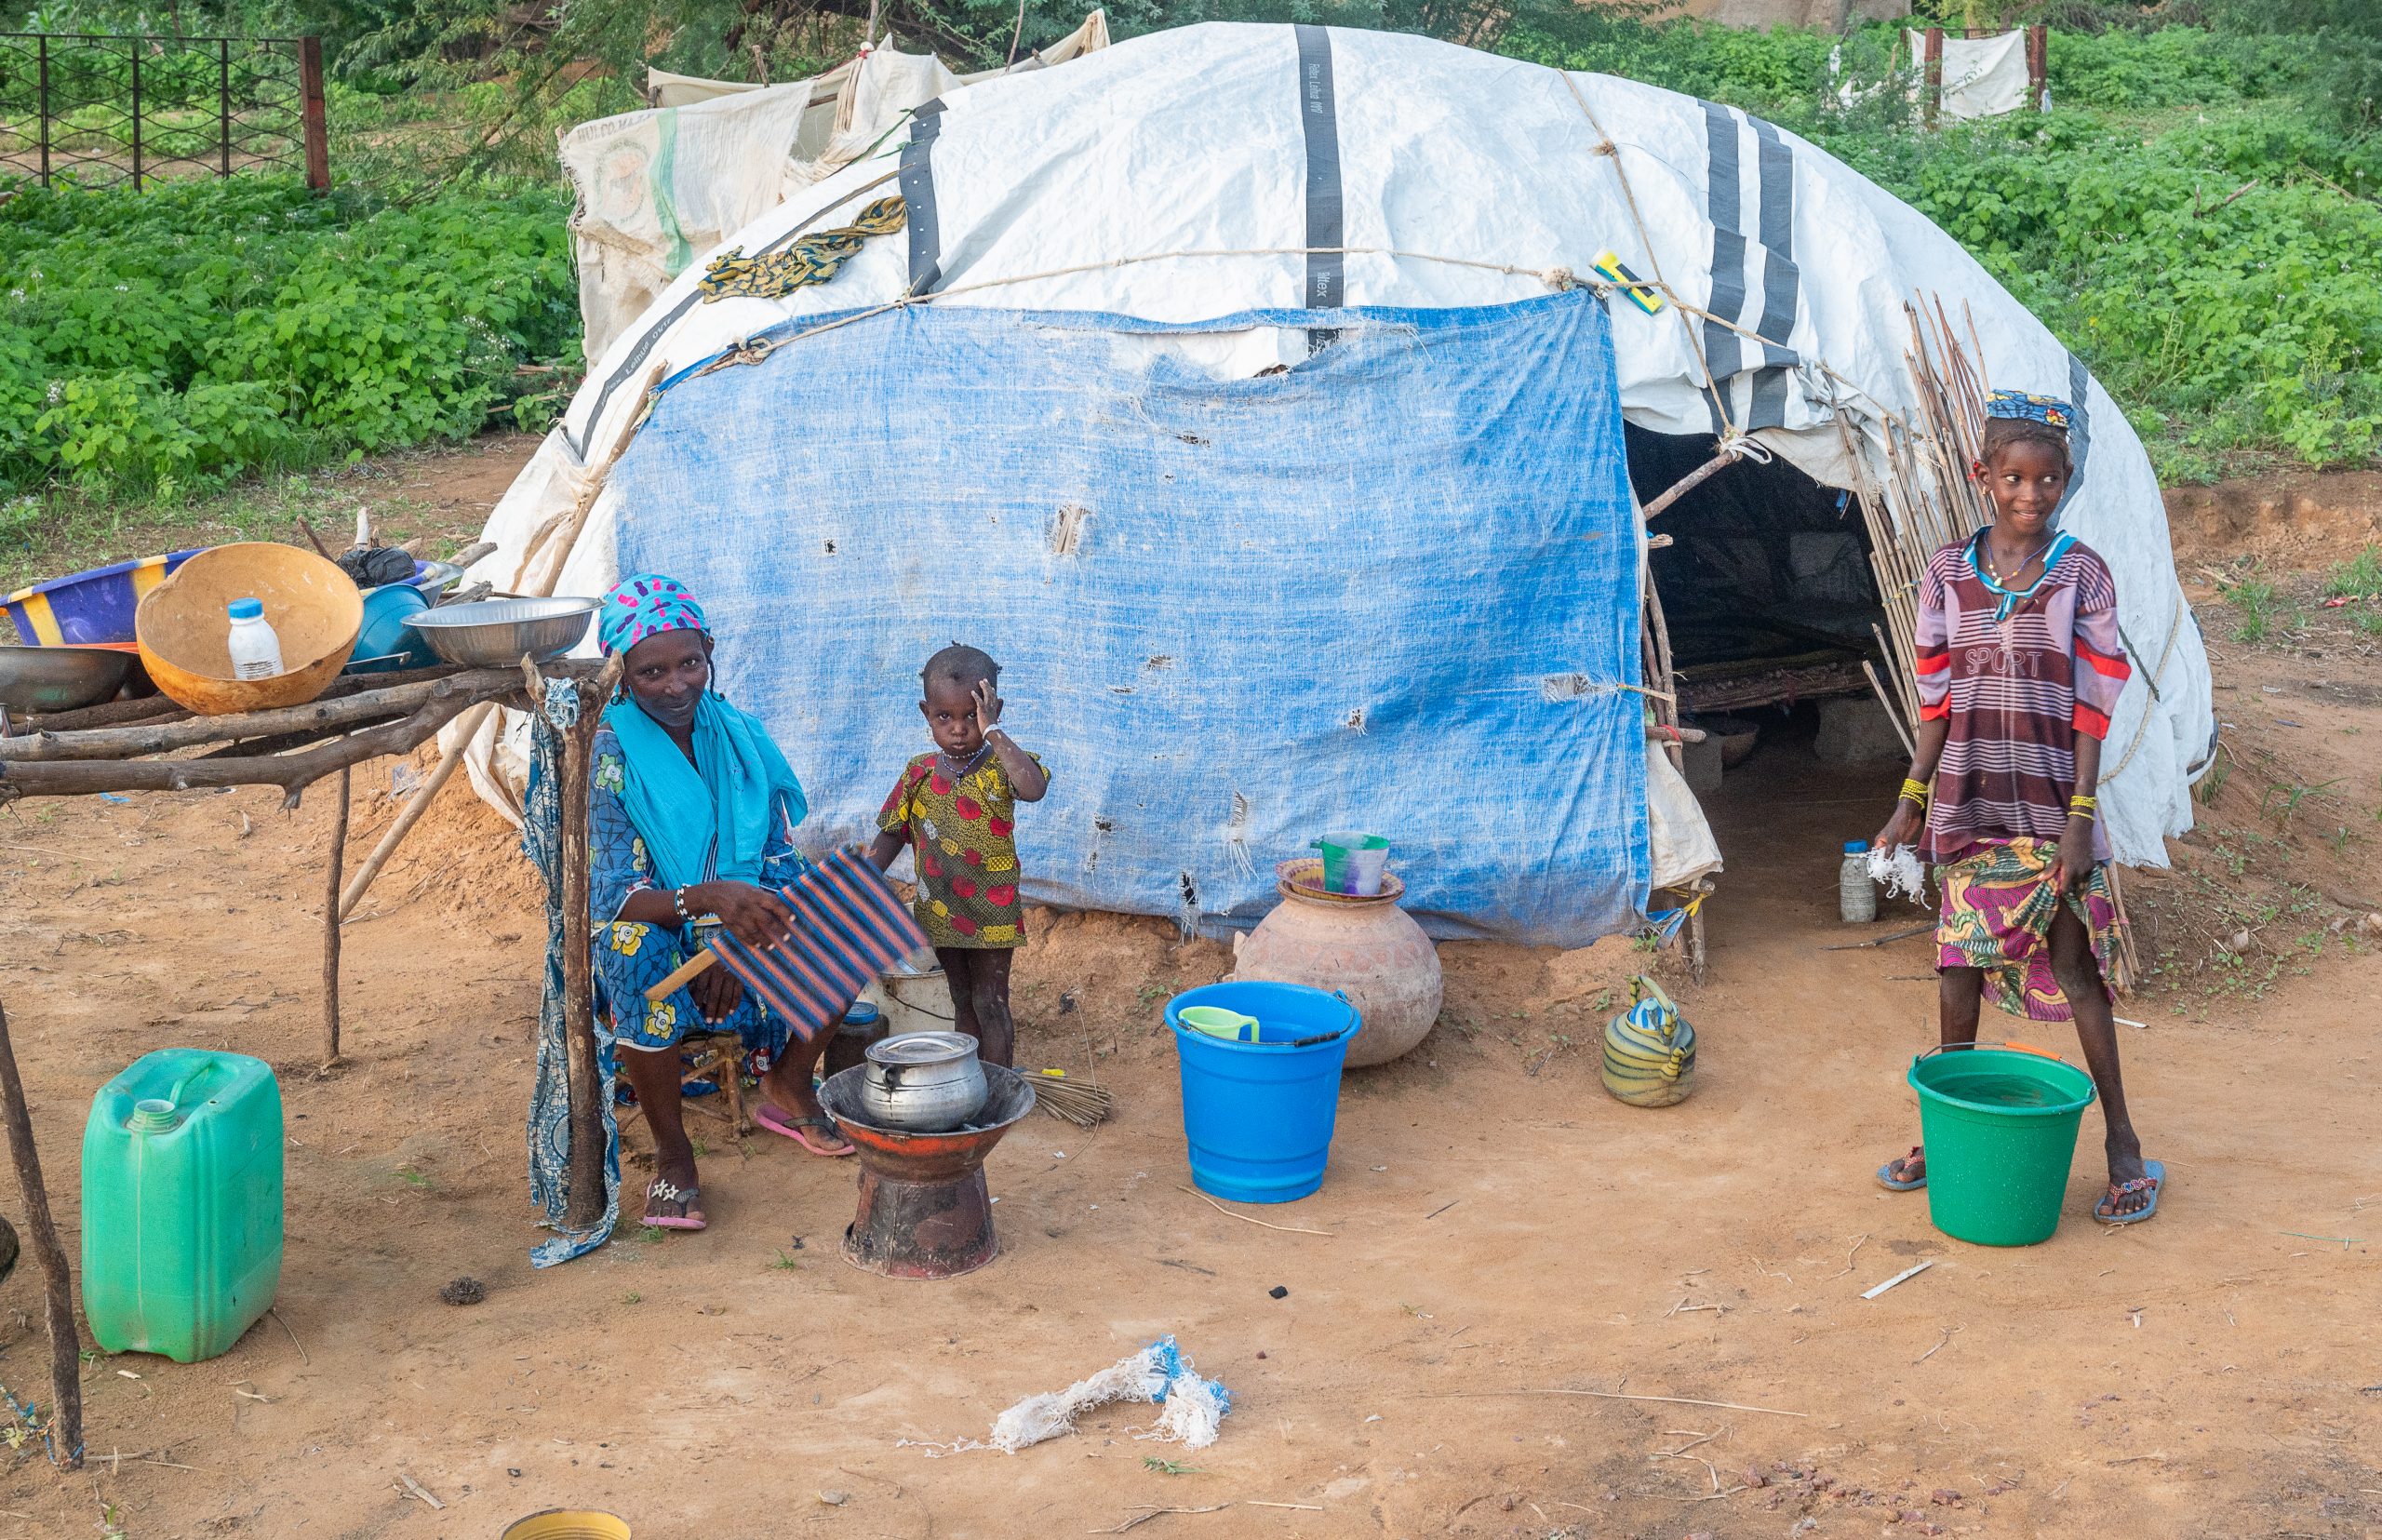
(1928, 500)
(1082, 1102)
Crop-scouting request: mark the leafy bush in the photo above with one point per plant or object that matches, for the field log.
(160, 342)
(2216, 277)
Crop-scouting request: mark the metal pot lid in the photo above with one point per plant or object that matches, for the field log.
(923, 1048)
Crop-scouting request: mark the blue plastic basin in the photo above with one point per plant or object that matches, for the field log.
(1257, 1116)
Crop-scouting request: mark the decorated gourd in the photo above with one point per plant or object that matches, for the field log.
(1649, 1050)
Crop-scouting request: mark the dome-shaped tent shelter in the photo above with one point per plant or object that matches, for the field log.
(1251, 392)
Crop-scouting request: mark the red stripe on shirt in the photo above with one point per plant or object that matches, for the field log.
(1937, 712)
(1932, 660)
(2089, 721)
(2108, 667)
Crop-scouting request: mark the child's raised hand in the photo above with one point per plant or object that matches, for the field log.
(988, 705)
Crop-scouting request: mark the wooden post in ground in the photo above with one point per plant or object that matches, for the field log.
(330, 927)
(316, 121)
(2039, 68)
(586, 1204)
(1934, 58)
(58, 1290)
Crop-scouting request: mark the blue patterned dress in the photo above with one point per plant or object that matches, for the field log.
(631, 957)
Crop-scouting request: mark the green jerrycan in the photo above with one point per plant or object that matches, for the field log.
(182, 1203)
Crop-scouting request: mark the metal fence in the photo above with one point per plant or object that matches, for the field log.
(99, 111)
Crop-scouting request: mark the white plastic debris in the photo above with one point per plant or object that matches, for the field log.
(1899, 873)
(1160, 1373)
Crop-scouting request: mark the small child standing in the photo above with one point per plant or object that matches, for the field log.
(956, 808)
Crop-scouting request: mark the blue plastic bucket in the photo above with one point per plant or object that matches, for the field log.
(1257, 1116)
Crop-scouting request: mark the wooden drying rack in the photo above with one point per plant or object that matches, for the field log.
(147, 744)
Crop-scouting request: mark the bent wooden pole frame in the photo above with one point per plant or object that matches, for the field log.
(330, 926)
(411, 813)
(58, 1288)
(1694, 479)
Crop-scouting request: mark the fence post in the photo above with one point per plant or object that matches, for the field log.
(43, 112)
(1935, 73)
(136, 115)
(224, 99)
(2038, 67)
(310, 87)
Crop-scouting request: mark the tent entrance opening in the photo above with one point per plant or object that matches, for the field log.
(1771, 607)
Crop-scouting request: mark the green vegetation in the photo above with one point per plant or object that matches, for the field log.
(157, 344)
(2198, 221)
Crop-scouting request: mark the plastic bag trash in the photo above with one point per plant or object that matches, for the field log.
(1158, 1372)
(1899, 873)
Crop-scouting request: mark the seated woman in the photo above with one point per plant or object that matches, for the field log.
(690, 817)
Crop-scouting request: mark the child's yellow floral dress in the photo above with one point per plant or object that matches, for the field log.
(963, 831)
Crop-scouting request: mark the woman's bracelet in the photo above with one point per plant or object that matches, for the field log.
(678, 903)
(2083, 806)
(1914, 790)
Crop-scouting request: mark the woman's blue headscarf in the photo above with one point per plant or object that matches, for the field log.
(710, 819)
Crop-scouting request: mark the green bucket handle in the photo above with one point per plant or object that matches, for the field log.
(2014, 1048)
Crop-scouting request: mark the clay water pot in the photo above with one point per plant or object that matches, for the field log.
(1367, 948)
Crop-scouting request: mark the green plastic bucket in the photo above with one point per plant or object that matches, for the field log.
(1999, 1121)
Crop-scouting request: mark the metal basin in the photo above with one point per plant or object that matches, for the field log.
(497, 633)
(60, 678)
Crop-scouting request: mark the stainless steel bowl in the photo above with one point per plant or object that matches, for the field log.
(60, 678)
(496, 633)
(435, 577)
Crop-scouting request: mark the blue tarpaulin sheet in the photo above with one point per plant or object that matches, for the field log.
(1392, 589)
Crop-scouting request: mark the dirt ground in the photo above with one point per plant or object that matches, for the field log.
(1506, 1250)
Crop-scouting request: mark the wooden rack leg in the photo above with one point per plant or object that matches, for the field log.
(331, 928)
(586, 1203)
(65, 1343)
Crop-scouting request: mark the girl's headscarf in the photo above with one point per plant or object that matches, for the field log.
(2018, 405)
(709, 819)
(646, 605)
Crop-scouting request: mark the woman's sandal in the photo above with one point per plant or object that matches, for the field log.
(777, 1122)
(2153, 1178)
(1887, 1179)
(661, 1191)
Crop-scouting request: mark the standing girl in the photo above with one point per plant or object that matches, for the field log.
(2019, 666)
(957, 809)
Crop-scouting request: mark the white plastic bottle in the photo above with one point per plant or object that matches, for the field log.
(256, 651)
(1856, 895)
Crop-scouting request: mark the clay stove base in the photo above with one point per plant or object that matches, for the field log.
(924, 1209)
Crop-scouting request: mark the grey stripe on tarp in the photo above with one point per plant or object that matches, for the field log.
(655, 332)
(1722, 354)
(2079, 429)
(918, 196)
(1781, 280)
(1326, 269)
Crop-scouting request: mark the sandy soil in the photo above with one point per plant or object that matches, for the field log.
(1501, 1235)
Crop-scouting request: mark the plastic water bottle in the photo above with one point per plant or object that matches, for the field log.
(256, 651)
(1856, 896)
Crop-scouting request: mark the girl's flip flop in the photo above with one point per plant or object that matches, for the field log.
(659, 1191)
(1887, 1179)
(2152, 1180)
(777, 1122)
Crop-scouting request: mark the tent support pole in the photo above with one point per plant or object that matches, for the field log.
(1694, 479)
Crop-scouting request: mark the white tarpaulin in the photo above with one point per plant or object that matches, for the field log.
(1220, 169)
(657, 187)
(1983, 76)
